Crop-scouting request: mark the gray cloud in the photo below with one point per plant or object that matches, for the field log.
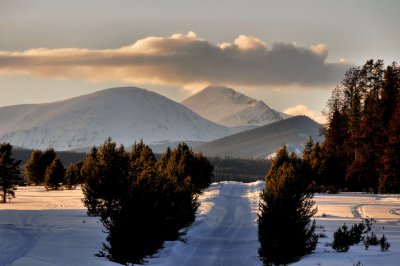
(184, 60)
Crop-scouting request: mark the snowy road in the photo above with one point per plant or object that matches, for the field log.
(225, 232)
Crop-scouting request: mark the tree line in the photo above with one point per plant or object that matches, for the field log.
(361, 150)
(225, 168)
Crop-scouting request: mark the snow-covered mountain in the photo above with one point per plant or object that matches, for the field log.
(126, 114)
(230, 108)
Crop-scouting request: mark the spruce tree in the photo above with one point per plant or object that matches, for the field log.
(389, 180)
(285, 229)
(33, 168)
(334, 149)
(73, 175)
(185, 166)
(36, 165)
(9, 172)
(54, 175)
(105, 172)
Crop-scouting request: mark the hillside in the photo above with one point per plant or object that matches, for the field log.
(230, 108)
(126, 114)
(263, 141)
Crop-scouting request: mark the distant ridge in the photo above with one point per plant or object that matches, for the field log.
(126, 114)
(230, 108)
(263, 141)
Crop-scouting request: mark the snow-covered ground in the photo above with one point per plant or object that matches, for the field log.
(51, 228)
(42, 227)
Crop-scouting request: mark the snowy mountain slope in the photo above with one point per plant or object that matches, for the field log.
(264, 141)
(230, 108)
(126, 114)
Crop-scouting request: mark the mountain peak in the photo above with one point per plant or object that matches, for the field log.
(228, 107)
(225, 94)
(126, 114)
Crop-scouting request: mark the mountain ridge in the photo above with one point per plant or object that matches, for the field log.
(126, 114)
(263, 141)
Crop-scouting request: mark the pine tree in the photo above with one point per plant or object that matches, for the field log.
(140, 202)
(389, 181)
(105, 174)
(335, 155)
(307, 151)
(33, 168)
(360, 130)
(54, 175)
(9, 172)
(73, 175)
(141, 160)
(36, 165)
(185, 166)
(285, 229)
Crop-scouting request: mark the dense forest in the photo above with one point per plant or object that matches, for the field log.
(361, 150)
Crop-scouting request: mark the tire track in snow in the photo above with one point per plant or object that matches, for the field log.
(15, 235)
(227, 235)
(395, 212)
(358, 211)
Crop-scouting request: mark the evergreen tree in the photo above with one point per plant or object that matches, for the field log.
(184, 166)
(360, 130)
(316, 161)
(54, 175)
(73, 175)
(47, 158)
(105, 173)
(307, 151)
(140, 202)
(285, 229)
(33, 168)
(336, 134)
(389, 181)
(9, 172)
(141, 160)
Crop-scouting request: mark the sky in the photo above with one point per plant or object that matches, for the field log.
(288, 53)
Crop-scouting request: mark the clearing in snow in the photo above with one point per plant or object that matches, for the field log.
(42, 227)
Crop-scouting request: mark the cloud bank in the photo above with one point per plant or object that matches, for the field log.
(184, 60)
(304, 110)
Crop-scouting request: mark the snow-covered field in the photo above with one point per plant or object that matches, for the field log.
(51, 228)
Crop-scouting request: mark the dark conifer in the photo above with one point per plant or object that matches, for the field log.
(285, 229)
(360, 129)
(33, 171)
(54, 175)
(9, 172)
(389, 181)
(141, 203)
(73, 175)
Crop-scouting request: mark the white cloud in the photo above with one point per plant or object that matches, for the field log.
(304, 110)
(244, 42)
(184, 60)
